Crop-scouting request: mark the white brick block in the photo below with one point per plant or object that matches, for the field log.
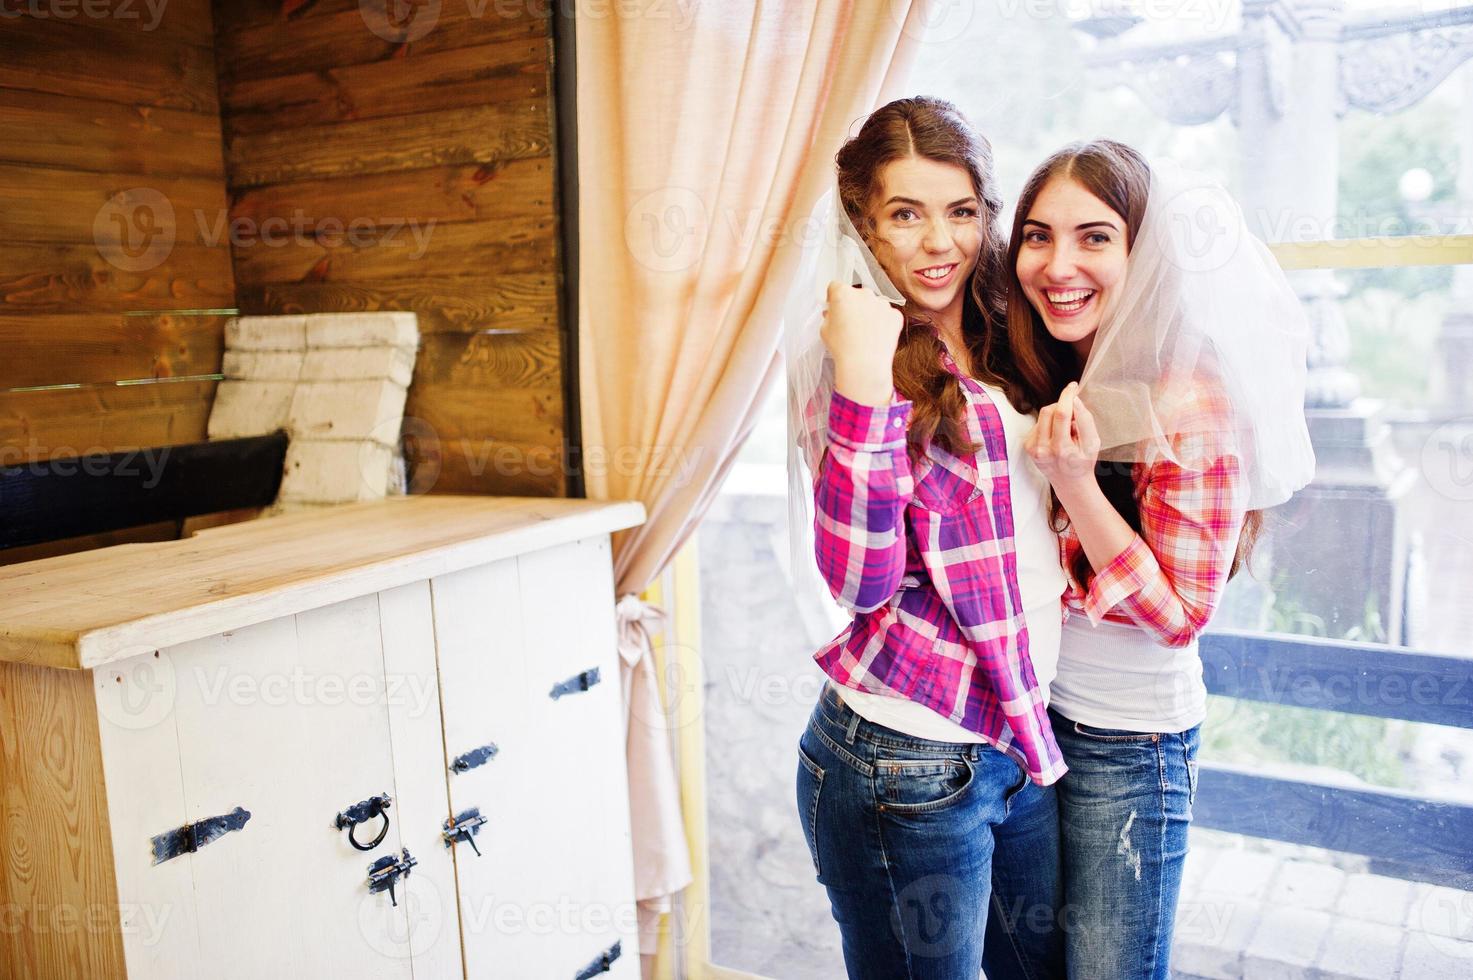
(1442, 911)
(1307, 885)
(250, 408)
(1245, 874)
(1362, 950)
(375, 329)
(1429, 957)
(1211, 933)
(1375, 898)
(1200, 859)
(335, 472)
(258, 365)
(348, 410)
(353, 363)
(266, 333)
(1286, 943)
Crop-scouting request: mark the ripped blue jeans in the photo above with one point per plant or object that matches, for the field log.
(1124, 809)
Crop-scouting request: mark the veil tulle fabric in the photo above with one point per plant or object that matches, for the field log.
(835, 253)
(1204, 315)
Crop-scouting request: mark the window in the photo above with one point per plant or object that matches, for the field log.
(1364, 143)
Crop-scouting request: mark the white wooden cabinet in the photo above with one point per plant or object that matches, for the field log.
(289, 669)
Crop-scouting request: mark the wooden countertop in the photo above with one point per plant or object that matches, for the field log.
(90, 608)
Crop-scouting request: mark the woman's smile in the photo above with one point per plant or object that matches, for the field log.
(937, 276)
(1063, 303)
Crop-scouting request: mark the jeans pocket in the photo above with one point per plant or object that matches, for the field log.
(1189, 751)
(809, 783)
(1113, 734)
(1018, 787)
(921, 785)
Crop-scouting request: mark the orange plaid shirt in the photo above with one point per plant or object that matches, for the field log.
(1169, 579)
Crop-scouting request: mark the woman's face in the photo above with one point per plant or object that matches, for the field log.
(927, 231)
(1072, 255)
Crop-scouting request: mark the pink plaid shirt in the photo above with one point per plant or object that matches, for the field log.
(926, 563)
(1169, 578)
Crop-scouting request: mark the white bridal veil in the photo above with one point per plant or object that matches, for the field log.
(1203, 313)
(833, 252)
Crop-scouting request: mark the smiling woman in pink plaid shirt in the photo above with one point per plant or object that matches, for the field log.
(1150, 541)
(931, 746)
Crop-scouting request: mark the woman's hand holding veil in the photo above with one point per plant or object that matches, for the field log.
(861, 330)
(1065, 444)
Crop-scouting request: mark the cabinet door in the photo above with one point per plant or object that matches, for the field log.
(412, 692)
(145, 796)
(553, 888)
(568, 593)
(483, 692)
(287, 719)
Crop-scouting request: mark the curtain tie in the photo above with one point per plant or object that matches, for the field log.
(638, 622)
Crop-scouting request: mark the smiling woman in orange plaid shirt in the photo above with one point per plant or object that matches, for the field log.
(1124, 297)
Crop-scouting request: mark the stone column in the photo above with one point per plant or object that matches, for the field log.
(1342, 540)
(1453, 379)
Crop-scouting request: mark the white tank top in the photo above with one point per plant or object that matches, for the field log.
(1040, 584)
(1117, 676)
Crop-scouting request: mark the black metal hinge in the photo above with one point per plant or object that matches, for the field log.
(192, 836)
(573, 685)
(474, 758)
(602, 964)
(464, 827)
(388, 869)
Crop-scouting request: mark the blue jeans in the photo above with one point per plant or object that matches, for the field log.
(900, 830)
(1124, 809)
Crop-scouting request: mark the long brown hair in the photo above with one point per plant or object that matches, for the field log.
(1119, 177)
(934, 129)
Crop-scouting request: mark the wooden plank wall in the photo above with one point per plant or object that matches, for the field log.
(435, 140)
(102, 118)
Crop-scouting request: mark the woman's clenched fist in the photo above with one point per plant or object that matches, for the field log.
(861, 330)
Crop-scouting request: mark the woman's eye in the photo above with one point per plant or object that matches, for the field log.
(1098, 238)
(1034, 237)
(966, 212)
(904, 214)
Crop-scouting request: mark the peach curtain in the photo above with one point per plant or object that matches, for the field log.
(706, 133)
